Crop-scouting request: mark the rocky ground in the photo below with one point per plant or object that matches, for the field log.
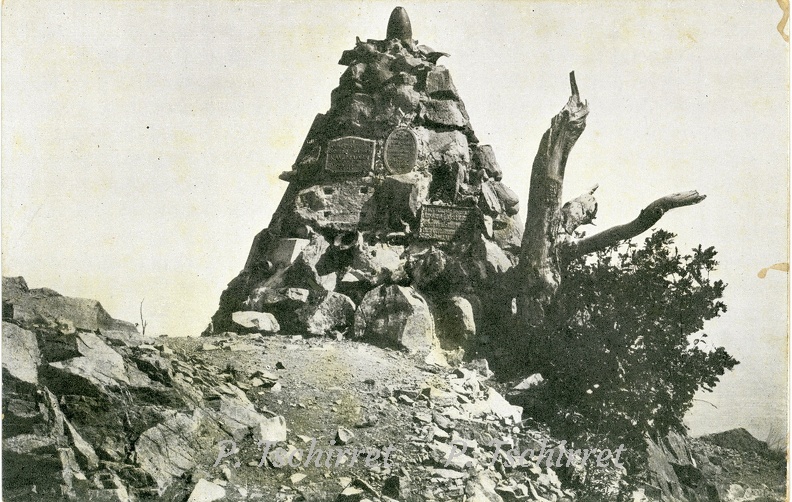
(93, 411)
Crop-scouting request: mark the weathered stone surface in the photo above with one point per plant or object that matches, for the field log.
(406, 63)
(377, 263)
(100, 365)
(206, 491)
(258, 322)
(378, 70)
(85, 451)
(286, 251)
(344, 436)
(495, 259)
(271, 429)
(443, 112)
(401, 97)
(311, 150)
(481, 488)
(396, 487)
(396, 316)
(662, 473)
(352, 78)
(528, 383)
(169, 449)
(439, 84)
(311, 269)
(337, 206)
(484, 158)
(399, 199)
(460, 318)
(21, 356)
(266, 299)
(233, 410)
(328, 313)
(448, 147)
(155, 366)
(506, 196)
(426, 264)
(508, 232)
(258, 256)
(448, 456)
(489, 202)
(14, 288)
(79, 313)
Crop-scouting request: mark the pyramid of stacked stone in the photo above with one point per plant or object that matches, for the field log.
(395, 226)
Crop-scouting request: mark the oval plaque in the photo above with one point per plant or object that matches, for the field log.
(401, 151)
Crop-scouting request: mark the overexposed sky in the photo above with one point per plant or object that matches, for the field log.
(142, 140)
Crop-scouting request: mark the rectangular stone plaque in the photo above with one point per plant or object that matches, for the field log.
(350, 155)
(446, 223)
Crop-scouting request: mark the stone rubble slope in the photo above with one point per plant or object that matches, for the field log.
(126, 418)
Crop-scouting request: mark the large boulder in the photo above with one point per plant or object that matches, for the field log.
(396, 316)
(168, 450)
(327, 313)
(281, 303)
(455, 320)
(376, 264)
(484, 159)
(98, 369)
(21, 356)
(673, 472)
(256, 322)
(52, 308)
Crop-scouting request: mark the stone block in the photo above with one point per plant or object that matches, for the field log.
(286, 251)
(440, 85)
(21, 356)
(396, 316)
(444, 113)
(398, 200)
(257, 322)
(484, 158)
(339, 206)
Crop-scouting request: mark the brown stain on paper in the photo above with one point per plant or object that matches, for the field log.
(783, 267)
(784, 4)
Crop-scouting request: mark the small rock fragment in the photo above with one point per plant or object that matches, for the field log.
(206, 491)
(344, 436)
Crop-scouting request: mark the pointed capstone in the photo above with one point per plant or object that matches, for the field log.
(399, 26)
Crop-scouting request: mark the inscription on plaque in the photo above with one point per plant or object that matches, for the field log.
(350, 155)
(401, 151)
(446, 223)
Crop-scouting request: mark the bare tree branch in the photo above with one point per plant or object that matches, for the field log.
(650, 215)
(143, 323)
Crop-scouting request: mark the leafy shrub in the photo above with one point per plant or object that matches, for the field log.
(622, 348)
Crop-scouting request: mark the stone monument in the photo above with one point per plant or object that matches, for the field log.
(395, 225)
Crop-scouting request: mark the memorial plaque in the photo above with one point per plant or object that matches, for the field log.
(446, 223)
(401, 151)
(350, 155)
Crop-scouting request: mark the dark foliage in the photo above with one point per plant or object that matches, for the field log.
(622, 348)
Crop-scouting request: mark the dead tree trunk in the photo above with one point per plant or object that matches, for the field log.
(539, 267)
(549, 237)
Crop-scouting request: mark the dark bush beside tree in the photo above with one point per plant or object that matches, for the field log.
(621, 346)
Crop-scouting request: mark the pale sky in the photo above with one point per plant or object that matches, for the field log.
(141, 141)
